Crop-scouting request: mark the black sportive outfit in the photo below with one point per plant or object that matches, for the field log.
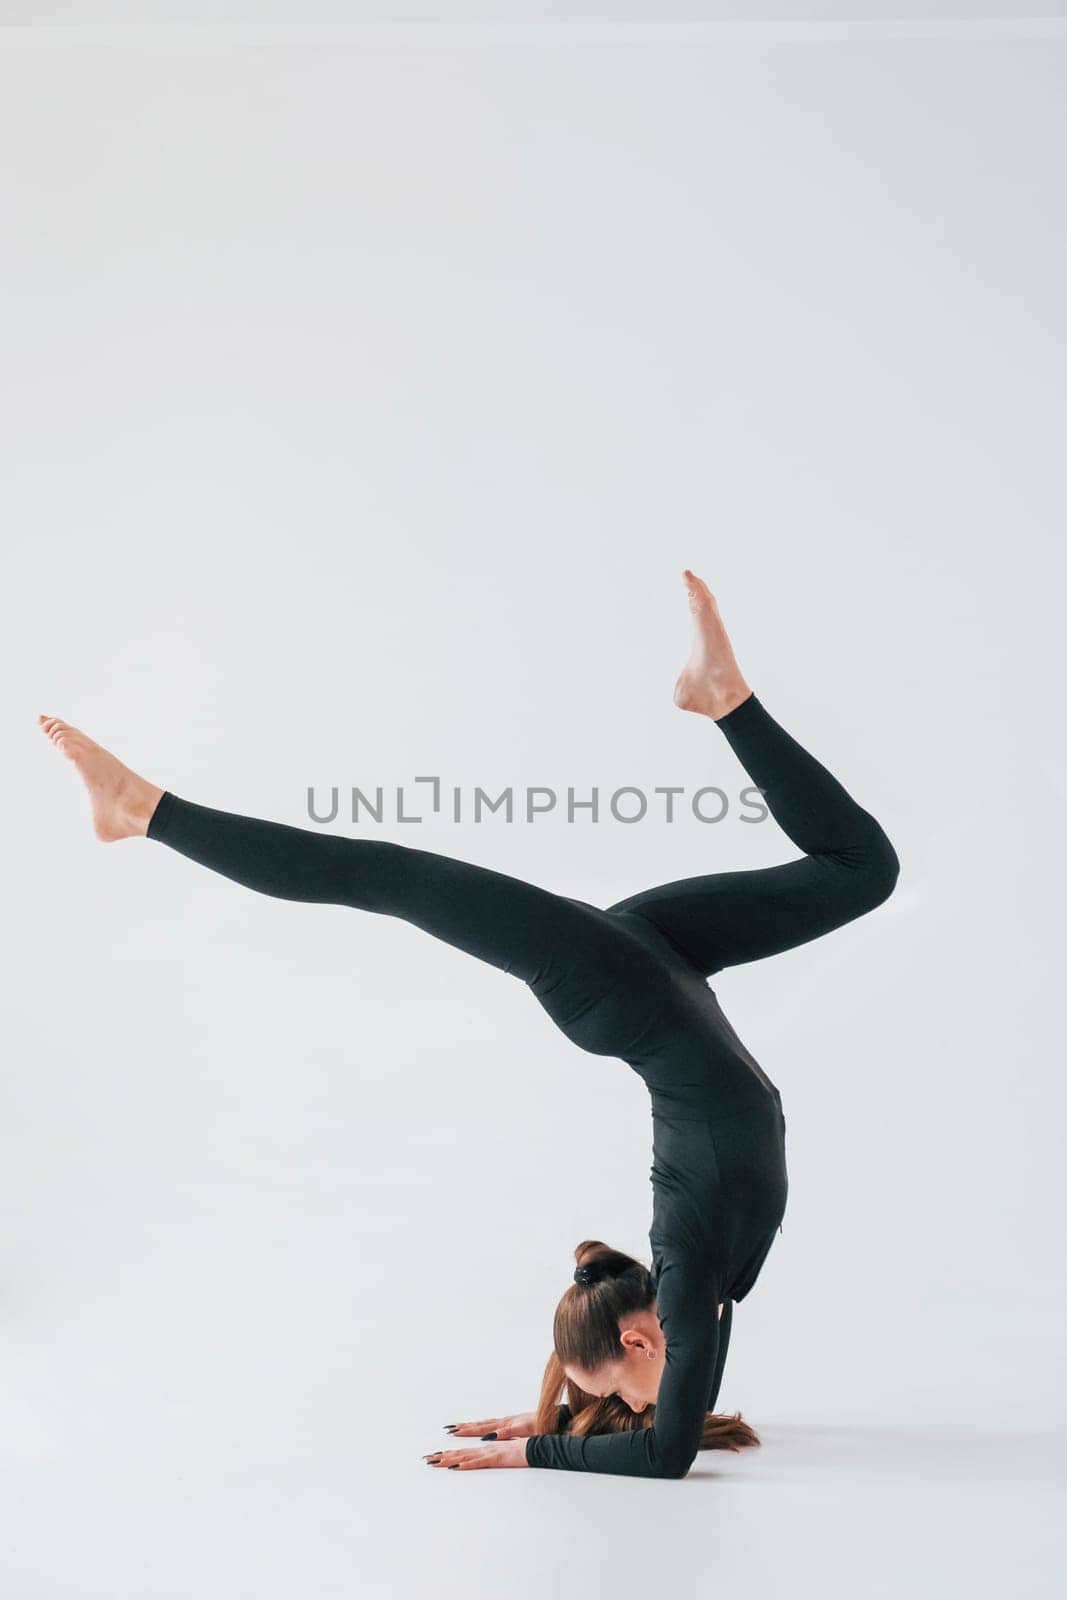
(628, 981)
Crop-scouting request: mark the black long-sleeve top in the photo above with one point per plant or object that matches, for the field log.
(719, 1196)
(719, 1170)
(719, 1192)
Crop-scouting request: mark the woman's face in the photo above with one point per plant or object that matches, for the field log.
(635, 1377)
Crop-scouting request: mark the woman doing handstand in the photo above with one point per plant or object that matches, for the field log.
(638, 1355)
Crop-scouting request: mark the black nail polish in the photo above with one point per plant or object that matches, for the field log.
(454, 1467)
(488, 1435)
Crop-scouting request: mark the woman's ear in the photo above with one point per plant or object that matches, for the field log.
(633, 1339)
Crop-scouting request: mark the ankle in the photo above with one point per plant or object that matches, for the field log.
(142, 806)
(729, 700)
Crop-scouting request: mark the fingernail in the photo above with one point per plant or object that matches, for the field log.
(453, 1468)
(450, 1427)
(488, 1435)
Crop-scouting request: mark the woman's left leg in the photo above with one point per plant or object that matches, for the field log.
(594, 979)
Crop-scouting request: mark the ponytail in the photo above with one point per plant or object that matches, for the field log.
(608, 1285)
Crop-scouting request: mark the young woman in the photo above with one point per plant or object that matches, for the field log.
(638, 1355)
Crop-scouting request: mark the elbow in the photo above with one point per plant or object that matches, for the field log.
(673, 1463)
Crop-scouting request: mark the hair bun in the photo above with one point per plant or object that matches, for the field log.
(587, 1274)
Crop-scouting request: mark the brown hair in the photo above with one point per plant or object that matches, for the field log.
(585, 1333)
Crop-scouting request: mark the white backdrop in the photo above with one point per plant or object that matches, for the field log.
(362, 401)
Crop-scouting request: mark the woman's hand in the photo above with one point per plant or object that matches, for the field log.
(509, 1453)
(519, 1427)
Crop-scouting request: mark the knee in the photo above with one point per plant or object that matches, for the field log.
(880, 871)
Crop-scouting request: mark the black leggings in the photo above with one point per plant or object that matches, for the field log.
(583, 964)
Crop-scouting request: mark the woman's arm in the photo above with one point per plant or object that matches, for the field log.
(687, 1297)
(726, 1317)
(519, 1426)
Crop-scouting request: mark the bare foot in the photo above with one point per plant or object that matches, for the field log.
(711, 681)
(122, 803)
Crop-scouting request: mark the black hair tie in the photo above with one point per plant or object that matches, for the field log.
(584, 1275)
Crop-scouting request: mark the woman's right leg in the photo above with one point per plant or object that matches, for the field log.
(848, 867)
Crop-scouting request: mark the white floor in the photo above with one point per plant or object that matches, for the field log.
(828, 1511)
